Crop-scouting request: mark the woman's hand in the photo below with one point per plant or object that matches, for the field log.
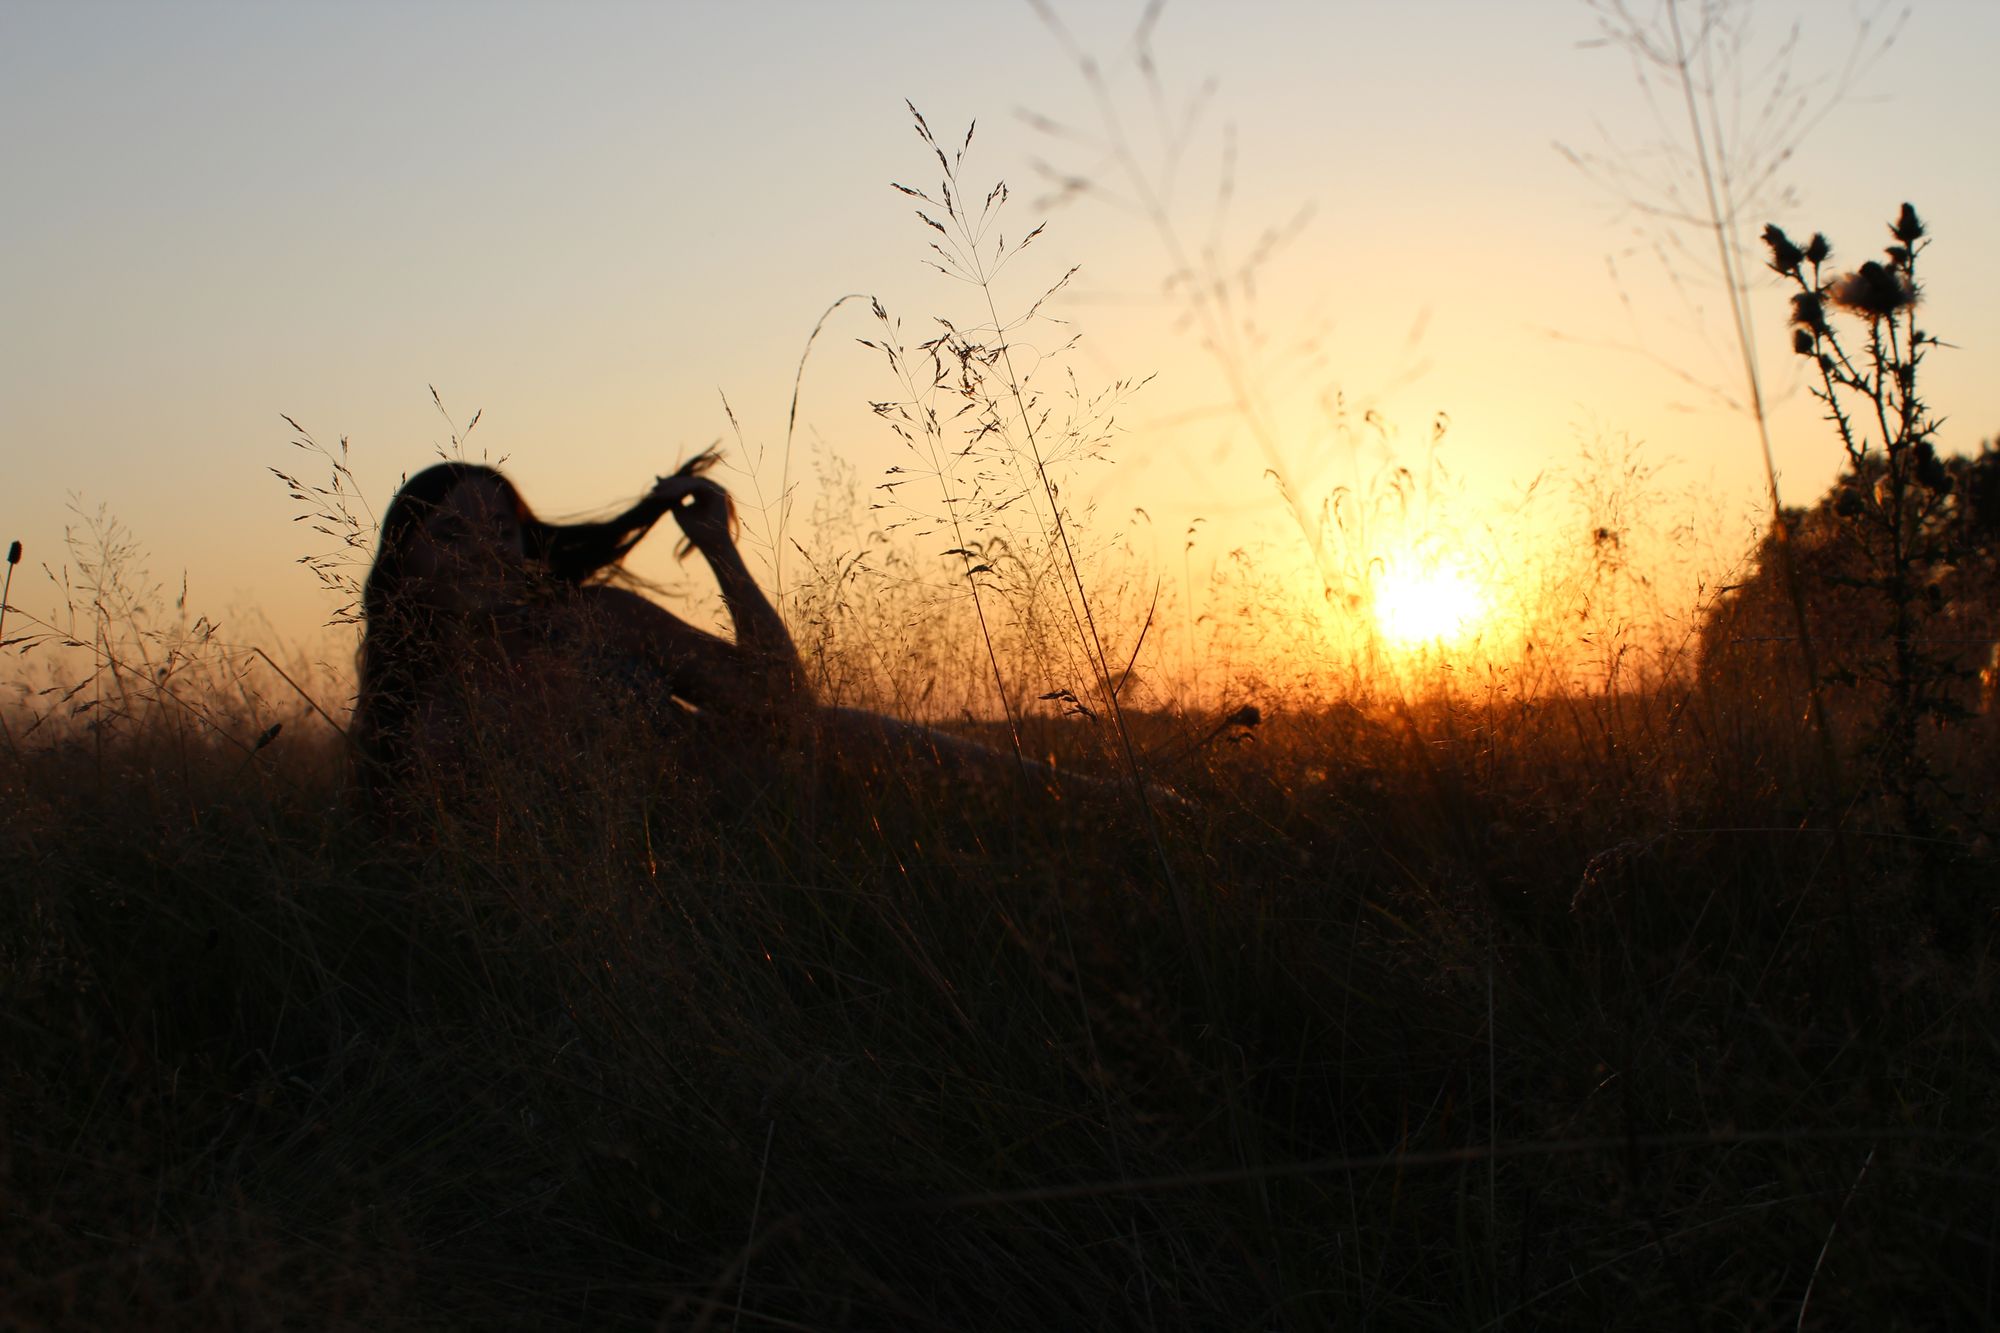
(702, 508)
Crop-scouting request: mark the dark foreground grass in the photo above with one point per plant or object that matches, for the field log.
(1575, 1015)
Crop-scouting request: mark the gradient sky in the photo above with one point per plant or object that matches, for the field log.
(593, 222)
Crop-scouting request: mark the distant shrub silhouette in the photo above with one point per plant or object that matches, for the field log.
(1955, 617)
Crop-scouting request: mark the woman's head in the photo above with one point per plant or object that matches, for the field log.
(458, 544)
(455, 541)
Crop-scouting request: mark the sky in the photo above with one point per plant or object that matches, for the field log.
(596, 224)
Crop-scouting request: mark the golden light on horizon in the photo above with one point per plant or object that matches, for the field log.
(1430, 608)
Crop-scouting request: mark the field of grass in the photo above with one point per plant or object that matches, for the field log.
(1592, 1012)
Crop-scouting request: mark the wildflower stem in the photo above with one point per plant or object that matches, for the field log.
(785, 464)
(7, 591)
(1721, 217)
(941, 469)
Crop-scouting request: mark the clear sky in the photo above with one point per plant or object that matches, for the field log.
(592, 222)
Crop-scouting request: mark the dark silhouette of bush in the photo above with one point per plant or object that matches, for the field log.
(1949, 613)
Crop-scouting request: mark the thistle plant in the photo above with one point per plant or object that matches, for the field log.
(1894, 508)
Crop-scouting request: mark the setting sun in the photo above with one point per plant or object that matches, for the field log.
(1438, 606)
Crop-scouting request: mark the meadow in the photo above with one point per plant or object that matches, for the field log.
(1591, 1012)
(1615, 963)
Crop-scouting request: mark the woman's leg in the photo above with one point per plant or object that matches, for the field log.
(887, 745)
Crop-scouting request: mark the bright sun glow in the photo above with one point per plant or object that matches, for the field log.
(1414, 610)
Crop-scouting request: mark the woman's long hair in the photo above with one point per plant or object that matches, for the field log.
(404, 641)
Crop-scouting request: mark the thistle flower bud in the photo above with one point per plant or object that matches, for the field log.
(1785, 257)
(1818, 249)
(1873, 292)
(1809, 311)
(1803, 341)
(1906, 227)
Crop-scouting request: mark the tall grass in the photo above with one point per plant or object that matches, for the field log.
(1528, 1009)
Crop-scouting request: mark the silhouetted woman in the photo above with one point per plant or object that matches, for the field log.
(481, 617)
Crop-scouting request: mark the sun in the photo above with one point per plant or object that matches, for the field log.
(1437, 606)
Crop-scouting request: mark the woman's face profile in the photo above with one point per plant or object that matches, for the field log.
(468, 552)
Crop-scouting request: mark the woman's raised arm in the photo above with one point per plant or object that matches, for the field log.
(702, 509)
